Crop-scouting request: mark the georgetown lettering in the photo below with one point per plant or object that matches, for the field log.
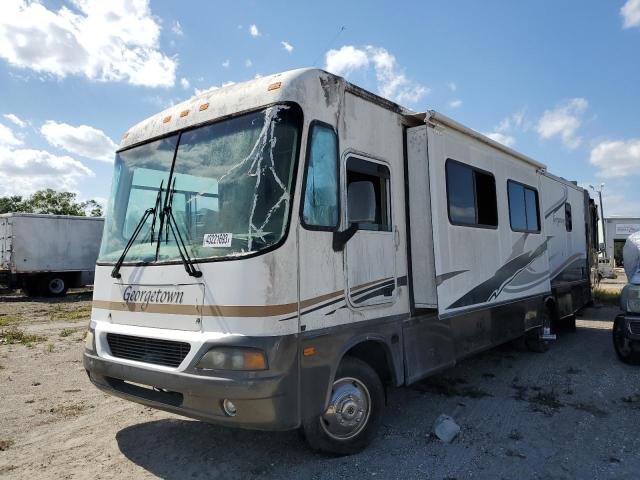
(145, 297)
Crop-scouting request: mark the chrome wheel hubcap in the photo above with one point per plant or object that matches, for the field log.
(349, 409)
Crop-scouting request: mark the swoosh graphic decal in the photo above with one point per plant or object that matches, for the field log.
(491, 288)
(556, 206)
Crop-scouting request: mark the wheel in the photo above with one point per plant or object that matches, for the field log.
(623, 346)
(533, 338)
(55, 286)
(354, 413)
(570, 323)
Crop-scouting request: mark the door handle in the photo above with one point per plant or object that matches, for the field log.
(396, 237)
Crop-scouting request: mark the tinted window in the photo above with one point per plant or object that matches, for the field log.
(568, 221)
(523, 208)
(471, 196)
(321, 190)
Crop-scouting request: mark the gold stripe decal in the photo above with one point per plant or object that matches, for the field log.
(224, 310)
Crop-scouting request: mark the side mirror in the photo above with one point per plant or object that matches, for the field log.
(340, 239)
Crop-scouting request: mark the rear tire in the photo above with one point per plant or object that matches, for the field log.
(623, 346)
(354, 413)
(55, 286)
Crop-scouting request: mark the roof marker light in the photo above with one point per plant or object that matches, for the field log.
(184, 113)
(124, 137)
(204, 106)
(274, 86)
(166, 119)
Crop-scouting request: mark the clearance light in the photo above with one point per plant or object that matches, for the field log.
(204, 106)
(226, 358)
(184, 113)
(274, 86)
(124, 137)
(308, 351)
(166, 119)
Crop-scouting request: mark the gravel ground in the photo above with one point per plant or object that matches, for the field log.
(572, 412)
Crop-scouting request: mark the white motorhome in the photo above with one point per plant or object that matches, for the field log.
(278, 252)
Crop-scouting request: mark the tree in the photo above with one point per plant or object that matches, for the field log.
(51, 202)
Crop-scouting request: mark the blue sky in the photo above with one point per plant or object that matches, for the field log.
(558, 81)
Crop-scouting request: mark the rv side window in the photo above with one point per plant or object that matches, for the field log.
(320, 209)
(523, 208)
(568, 222)
(368, 201)
(471, 196)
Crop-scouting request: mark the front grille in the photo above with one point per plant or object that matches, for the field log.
(148, 350)
(634, 327)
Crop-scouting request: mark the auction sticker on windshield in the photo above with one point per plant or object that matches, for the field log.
(217, 239)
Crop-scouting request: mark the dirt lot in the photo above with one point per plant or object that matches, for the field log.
(572, 412)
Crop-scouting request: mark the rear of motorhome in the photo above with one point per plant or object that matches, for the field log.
(276, 253)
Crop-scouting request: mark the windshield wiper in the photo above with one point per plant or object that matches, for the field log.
(115, 273)
(172, 225)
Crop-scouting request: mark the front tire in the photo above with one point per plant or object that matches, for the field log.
(623, 346)
(354, 413)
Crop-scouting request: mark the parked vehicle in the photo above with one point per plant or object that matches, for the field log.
(279, 252)
(626, 327)
(605, 268)
(47, 254)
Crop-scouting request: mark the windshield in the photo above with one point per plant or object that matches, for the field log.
(229, 190)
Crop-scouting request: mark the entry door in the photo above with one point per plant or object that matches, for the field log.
(371, 253)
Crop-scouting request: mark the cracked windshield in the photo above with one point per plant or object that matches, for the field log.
(229, 192)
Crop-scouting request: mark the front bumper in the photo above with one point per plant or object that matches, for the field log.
(265, 402)
(631, 322)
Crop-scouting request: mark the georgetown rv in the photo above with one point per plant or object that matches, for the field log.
(276, 253)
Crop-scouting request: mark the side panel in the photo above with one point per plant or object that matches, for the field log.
(422, 261)
(55, 244)
(478, 268)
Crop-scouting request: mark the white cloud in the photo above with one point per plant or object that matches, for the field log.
(391, 80)
(82, 140)
(14, 119)
(287, 46)
(7, 137)
(452, 86)
(617, 158)
(506, 140)
(31, 170)
(630, 12)
(248, 63)
(457, 103)
(515, 121)
(185, 83)
(563, 121)
(253, 30)
(116, 40)
(177, 29)
(226, 63)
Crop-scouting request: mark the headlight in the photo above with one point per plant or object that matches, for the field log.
(89, 343)
(633, 299)
(227, 358)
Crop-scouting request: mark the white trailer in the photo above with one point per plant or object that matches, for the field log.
(47, 254)
(277, 252)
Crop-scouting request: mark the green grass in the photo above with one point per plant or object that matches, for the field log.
(80, 314)
(13, 335)
(49, 348)
(6, 320)
(67, 331)
(606, 296)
